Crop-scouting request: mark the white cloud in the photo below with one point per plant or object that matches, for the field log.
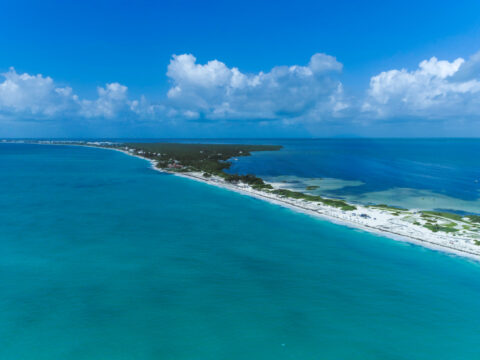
(215, 91)
(469, 69)
(34, 95)
(437, 89)
(112, 99)
(38, 96)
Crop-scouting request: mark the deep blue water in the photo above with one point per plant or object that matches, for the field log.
(446, 170)
(103, 258)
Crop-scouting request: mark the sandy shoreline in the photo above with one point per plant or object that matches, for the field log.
(293, 205)
(339, 221)
(379, 222)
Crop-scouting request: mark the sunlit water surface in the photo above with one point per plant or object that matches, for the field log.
(103, 258)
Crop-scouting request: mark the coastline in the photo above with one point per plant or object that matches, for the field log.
(315, 212)
(390, 228)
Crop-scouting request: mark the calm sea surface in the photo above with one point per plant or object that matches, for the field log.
(103, 258)
(441, 174)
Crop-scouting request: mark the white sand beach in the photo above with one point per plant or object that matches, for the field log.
(401, 225)
(375, 220)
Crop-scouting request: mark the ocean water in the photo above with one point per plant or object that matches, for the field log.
(442, 174)
(102, 257)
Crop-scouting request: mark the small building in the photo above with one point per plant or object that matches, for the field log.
(174, 166)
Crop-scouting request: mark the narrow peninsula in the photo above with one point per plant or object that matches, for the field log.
(446, 231)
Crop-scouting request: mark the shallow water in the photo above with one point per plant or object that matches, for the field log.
(411, 173)
(103, 258)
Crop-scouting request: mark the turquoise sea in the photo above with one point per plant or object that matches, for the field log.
(102, 257)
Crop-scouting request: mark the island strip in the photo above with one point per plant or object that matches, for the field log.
(445, 231)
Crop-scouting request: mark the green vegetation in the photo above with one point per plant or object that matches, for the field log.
(447, 215)
(450, 225)
(315, 198)
(212, 159)
(474, 218)
(207, 158)
(387, 207)
(312, 187)
(476, 242)
(437, 227)
(433, 216)
(256, 182)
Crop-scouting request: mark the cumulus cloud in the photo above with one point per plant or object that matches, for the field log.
(37, 96)
(215, 91)
(34, 95)
(437, 89)
(112, 99)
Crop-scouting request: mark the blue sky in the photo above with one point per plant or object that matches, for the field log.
(242, 68)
